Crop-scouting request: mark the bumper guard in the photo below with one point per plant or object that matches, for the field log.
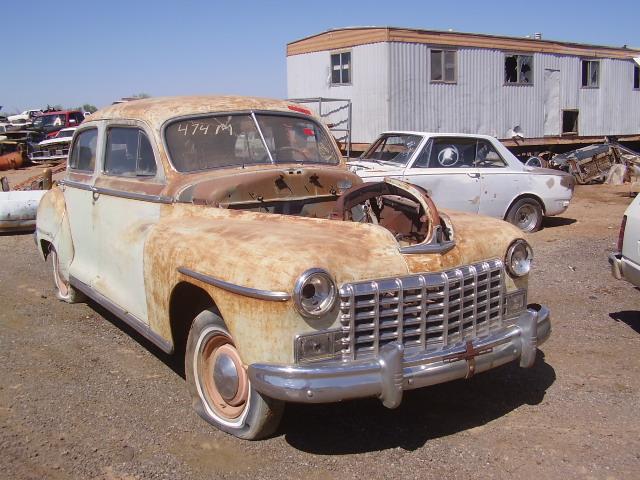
(392, 372)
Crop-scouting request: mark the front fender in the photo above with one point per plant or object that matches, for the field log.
(52, 229)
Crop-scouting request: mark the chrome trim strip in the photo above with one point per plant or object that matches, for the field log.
(132, 195)
(135, 323)
(238, 289)
(78, 185)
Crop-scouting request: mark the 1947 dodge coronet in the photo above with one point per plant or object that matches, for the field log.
(229, 230)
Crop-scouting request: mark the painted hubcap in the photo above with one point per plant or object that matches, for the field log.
(223, 378)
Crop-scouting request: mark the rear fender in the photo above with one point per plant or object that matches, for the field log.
(52, 229)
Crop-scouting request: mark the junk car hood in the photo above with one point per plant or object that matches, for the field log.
(269, 251)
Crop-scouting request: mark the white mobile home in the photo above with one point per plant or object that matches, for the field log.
(527, 90)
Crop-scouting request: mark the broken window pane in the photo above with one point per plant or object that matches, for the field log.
(518, 69)
(511, 69)
(436, 65)
(525, 68)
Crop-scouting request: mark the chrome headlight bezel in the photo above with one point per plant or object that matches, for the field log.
(301, 299)
(522, 267)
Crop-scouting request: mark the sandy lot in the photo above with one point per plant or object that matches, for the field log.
(82, 397)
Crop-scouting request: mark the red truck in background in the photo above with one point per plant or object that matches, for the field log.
(51, 122)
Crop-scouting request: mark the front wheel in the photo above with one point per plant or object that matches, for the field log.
(219, 384)
(526, 214)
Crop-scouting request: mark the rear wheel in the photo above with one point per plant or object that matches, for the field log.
(526, 214)
(64, 291)
(219, 384)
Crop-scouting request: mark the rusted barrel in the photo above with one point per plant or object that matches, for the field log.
(11, 160)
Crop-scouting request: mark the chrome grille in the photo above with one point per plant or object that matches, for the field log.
(427, 311)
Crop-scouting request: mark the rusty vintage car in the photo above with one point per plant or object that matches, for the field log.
(229, 231)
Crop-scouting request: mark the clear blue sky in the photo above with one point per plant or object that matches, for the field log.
(75, 52)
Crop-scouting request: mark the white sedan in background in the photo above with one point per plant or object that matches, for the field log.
(625, 263)
(471, 173)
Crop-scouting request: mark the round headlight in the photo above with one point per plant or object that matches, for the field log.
(518, 259)
(314, 293)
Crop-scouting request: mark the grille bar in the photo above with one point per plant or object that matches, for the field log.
(426, 311)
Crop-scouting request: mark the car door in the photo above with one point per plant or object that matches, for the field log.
(445, 168)
(77, 188)
(127, 200)
(500, 182)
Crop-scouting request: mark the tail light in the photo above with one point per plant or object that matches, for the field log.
(621, 234)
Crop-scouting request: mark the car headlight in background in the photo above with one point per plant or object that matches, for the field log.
(314, 293)
(518, 259)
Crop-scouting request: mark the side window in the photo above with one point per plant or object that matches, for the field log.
(590, 73)
(487, 157)
(443, 66)
(452, 153)
(341, 68)
(129, 153)
(423, 158)
(518, 69)
(83, 153)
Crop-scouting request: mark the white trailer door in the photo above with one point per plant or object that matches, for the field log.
(551, 102)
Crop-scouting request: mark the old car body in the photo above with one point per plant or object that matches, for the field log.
(229, 230)
(53, 149)
(471, 173)
(625, 262)
(51, 122)
(26, 116)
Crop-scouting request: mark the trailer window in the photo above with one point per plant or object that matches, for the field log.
(518, 69)
(443, 66)
(590, 73)
(570, 122)
(341, 68)
(636, 77)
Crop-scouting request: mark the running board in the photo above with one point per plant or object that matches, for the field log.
(126, 317)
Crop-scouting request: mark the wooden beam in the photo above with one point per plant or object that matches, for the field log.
(351, 37)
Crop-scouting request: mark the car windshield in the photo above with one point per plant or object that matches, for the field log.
(395, 149)
(54, 120)
(233, 140)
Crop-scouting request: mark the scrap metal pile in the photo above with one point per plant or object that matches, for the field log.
(609, 162)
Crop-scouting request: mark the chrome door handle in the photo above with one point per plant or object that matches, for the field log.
(473, 175)
(95, 194)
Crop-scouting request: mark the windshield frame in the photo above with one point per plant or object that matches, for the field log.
(422, 138)
(251, 113)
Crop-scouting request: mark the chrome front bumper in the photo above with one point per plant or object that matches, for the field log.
(392, 372)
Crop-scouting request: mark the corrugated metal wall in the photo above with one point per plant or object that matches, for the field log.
(308, 75)
(402, 96)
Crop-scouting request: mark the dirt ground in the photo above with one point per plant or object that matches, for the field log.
(82, 397)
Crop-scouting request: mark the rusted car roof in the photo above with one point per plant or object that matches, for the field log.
(158, 110)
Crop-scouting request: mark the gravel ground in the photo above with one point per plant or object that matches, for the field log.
(82, 397)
